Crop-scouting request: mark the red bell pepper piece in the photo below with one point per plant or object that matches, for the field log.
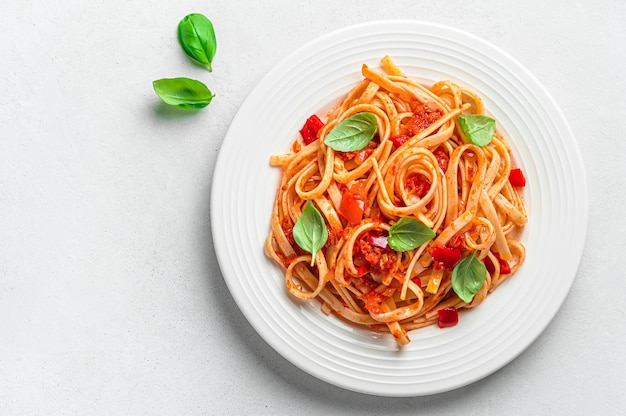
(309, 131)
(377, 239)
(504, 265)
(447, 317)
(516, 177)
(448, 256)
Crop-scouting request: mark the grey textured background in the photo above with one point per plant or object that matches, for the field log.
(111, 298)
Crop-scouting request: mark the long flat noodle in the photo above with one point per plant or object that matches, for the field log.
(454, 227)
(323, 184)
(297, 268)
(328, 212)
(519, 218)
(398, 332)
(385, 83)
(399, 313)
(492, 215)
(391, 67)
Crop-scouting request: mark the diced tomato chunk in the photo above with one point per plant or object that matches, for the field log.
(442, 158)
(373, 300)
(516, 177)
(418, 184)
(423, 117)
(447, 256)
(351, 208)
(288, 231)
(447, 317)
(399, 140)
(379, 260)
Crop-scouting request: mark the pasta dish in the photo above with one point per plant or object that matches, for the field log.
(400, 207)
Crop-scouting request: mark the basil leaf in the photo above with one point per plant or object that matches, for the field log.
(197, 37)
(407, 234)
(468, 277)
(183, 92)
(352, 133)
(478, 129)
(310, 231)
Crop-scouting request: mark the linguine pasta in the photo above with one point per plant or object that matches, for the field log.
(421, 165)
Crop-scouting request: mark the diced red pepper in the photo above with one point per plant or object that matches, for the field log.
(423, 117)
(504, 265)
(418, 184)
(448, 256)
(377, 239)
(307, 135)
(378, 260)
(373, 300)
(516, 177)
(399, 140)
(447, 317)
(314, 123)
(287, 227)
(309, 131)
(361, 270)
(417, 281)
(351, 208)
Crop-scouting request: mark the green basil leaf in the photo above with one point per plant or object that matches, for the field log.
(478, 129)
(310, 231)
(468, 277)
(197, 37)
(352, 133)
(408, 233)
(183, 92)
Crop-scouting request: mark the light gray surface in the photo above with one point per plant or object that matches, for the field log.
(111, 298)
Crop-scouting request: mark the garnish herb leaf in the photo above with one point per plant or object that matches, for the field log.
(197, 38)
(468, 276)
(352, 133)
(183, 92)
(478, 129)
(408, 233)
(310, 231)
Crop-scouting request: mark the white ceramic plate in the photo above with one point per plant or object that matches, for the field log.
(311, 80)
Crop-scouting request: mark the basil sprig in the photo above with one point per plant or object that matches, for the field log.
(183, 92)
(310, 231)
(468, 276)
(478, 129)
(408, 233)
(197, 38)
(352, 133)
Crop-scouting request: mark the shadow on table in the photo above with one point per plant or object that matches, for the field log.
(168, 112)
